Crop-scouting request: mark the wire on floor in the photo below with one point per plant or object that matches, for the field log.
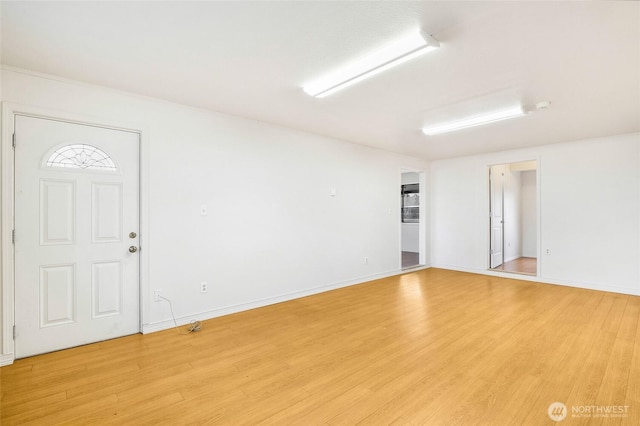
(194, 325)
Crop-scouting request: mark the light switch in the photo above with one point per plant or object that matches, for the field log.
(203, 210)
(333, 192)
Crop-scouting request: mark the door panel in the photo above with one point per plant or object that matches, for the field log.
(77, 198)
(106, 280)
(57, 295)
(57, 212)
(106, 208)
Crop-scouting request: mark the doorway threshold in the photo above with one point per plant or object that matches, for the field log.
(521, 265)
(413, 268)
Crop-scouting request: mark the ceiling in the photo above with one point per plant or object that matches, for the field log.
(251, 59)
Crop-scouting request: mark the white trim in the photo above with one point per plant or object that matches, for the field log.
(6, 359)
(539, 216)
(144, 251)
(487, 207)
(7, 261)
(9, 111)
(422, 228)
(94, 86)
(205, 315)
(540, 280)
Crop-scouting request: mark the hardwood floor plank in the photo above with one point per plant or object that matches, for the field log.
(633, 387)
(116, 413)
(613, 390)
(561, 363)
(586, 388)
(63, 412)
(521, 265)
(426, 347)
(318, 409)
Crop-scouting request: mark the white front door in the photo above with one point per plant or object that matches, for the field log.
(76, 224)
(496, 195)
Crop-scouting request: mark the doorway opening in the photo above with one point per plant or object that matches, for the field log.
(410, 218)
(513, 226)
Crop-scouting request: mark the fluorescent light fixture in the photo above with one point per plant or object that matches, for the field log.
(476, 120)
(393, 54)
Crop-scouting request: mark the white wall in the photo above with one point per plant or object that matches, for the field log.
(407, 178)
(589, 205)
(529, 213)
(410, 237)
(512, 215)
(273, 231)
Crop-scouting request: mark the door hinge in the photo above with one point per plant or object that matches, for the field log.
(14, 332)
(13, 236)
(13, 141)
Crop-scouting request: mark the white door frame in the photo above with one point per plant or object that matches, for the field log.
(492, 216)
(487, 206)
(7, 170)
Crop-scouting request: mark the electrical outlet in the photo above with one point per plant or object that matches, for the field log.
(547, 252)
(203, 287)
(156, 295)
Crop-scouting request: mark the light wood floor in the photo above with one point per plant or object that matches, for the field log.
(521, 265)
(428, 347)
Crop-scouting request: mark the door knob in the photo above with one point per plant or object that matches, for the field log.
(133, 249)
(132, 235)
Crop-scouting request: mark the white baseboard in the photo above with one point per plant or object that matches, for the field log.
(205, 315)
(544, 280)
(6, 359)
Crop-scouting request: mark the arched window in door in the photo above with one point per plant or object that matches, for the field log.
(81, 156)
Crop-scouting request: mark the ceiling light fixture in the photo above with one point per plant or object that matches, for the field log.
(476, 120)
(388, 56)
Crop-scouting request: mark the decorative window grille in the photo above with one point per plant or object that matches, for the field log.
(81, 156)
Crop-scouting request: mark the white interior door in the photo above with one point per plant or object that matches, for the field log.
(76, 222)
(496, 214)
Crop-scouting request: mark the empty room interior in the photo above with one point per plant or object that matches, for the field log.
(320, 212)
